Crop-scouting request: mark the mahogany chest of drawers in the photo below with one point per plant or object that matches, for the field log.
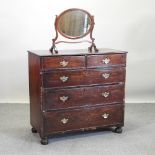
(76, 91)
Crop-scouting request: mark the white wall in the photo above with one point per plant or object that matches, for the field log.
(120, 24)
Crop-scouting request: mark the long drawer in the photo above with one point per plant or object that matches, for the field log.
(83, 118)
(83, 77)
(85, 96)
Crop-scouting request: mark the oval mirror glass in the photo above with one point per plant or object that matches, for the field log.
(74, 23)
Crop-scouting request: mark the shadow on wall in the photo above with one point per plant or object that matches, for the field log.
(140, 41)
(141, 36)
(14, 80)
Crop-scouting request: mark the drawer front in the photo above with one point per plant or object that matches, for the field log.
(63, 62)
(106, 60)
(83, 77)
(65, 98)
(83, 118)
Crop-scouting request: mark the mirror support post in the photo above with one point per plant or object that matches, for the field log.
(93, 46)
(53, 48)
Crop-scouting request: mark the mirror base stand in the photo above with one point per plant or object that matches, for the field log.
(93, 46)
(90, 49)
(53, 49)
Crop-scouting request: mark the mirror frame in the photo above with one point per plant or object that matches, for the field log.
(75, 37)
(57, 30)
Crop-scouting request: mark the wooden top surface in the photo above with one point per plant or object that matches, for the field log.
(76, 52)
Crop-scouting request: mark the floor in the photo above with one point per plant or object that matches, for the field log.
(138, 137)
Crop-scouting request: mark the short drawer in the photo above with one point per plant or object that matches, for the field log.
(106, 60)
(56, 121)
(63, 62)
(83, 77)
(85, 96)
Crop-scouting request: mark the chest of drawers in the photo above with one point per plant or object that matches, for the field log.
(76, 91)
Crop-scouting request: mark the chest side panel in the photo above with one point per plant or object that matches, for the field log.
(35, 91)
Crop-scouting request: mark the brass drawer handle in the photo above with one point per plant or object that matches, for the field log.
(64, 78)
(63, 98)
(64, 63)
(106, 75)
(105, 115)
(64, 120)
(105, 94)
(106, 60)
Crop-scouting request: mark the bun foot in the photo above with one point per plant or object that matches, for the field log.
(44, 141)
(34, 130)
(118, 130)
